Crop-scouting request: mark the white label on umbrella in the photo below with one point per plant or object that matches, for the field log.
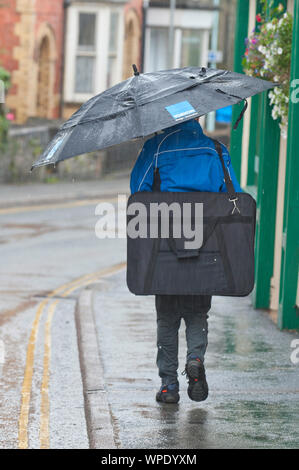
(181, 110)
(55, 146)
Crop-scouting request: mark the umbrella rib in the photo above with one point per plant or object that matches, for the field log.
(102, 118)
(138, 112)
(93, 101)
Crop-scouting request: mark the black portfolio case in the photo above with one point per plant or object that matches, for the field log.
(222, 265)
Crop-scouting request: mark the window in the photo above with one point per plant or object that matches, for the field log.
(93, 56)
(112, 48)
(191, 48)
(86, 53)
(158, 49)
(87, 27)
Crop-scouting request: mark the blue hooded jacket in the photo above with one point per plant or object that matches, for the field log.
(187, 161)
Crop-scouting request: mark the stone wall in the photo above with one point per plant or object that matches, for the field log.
(26, 143)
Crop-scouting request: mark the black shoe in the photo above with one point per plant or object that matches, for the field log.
(198, 389)
(168, 394)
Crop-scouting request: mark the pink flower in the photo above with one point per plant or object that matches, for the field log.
(258, 18)
(10, 116)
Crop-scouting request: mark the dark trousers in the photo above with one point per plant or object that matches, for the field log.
(170, 311)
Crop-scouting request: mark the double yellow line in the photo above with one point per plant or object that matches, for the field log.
(63, 291)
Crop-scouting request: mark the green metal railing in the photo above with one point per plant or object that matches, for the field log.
(288, 315)
(262, 181)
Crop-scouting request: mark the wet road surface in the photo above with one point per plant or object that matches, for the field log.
(254, 387)
(48, 253)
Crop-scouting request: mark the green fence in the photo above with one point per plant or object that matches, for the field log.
(262, 176)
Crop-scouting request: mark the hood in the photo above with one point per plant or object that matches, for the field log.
(191, 125)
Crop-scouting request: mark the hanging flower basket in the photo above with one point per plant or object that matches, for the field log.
(268, 56)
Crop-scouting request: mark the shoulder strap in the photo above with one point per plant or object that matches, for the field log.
(228, 182)
(157, 181)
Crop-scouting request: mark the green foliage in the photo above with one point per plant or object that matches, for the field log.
(5, 77)
(268, 56)
(35, 147)
(3, 130)
(52, 179)
(4, 123)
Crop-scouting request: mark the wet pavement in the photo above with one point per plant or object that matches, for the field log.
(36, 193)
(254, 386)
(42, 248)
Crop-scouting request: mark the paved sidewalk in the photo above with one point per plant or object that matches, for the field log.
(254, 387)
(44, 193)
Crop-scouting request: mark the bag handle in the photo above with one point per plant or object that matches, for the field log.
(228, 182)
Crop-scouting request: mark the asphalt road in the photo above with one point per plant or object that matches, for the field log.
(48, 253)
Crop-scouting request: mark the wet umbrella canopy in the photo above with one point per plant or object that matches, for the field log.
(147, 103)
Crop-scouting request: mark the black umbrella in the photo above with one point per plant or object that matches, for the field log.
(147, 103)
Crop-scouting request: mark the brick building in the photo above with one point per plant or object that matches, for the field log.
(87, 45)
(31, 41)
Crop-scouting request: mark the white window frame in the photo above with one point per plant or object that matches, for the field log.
(178, 33)
(120, 43)
(183, 19)
(102, 13)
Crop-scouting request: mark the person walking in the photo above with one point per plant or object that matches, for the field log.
(187, 161)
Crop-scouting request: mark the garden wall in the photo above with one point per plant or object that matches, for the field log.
(26, 143)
